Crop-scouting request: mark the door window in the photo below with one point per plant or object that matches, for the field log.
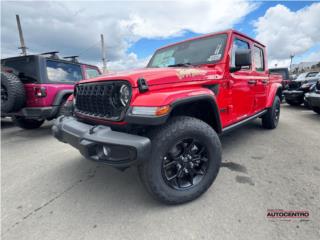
(258, 59)
(92, 72)
(238, 44)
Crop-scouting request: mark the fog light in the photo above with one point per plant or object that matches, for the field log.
(103, 153)
(106, 151)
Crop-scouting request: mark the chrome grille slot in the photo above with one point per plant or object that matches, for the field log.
(100, 100)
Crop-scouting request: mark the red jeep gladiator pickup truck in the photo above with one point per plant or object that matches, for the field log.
(167, 118)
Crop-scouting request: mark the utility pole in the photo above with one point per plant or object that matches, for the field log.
(103, 51)
(291, 57)
(22, 45)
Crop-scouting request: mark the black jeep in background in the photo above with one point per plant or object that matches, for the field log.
(296, 90)
(313, 98)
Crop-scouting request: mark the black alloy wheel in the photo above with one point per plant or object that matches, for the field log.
(185, 165)
(277, 113)
(184, 161)
(270, 119)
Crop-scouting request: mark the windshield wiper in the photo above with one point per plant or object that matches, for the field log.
(181, 65)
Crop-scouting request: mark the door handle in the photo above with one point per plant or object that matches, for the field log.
(265, 81)
(252, 82)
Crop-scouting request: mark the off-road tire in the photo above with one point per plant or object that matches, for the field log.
(316, 109)
(294, 103)
(63, 110)
(306, 104)
(162, 139)
(13, 94)
(270, 119)
(27, 123)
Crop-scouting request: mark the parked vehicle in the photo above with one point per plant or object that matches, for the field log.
(284, 72)
(167, 117)
(313, 98)
(297, 89)
(35, 87)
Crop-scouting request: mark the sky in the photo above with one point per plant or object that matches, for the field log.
(133, 30)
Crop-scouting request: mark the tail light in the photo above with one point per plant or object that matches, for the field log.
(40, 92)
(7, 70)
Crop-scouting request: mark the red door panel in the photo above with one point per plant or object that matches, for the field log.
(242, 95)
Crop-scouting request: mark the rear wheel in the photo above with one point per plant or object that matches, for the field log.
(185, 160)
(270, 120)
(62, 109)
(306, 103)
(27, 123)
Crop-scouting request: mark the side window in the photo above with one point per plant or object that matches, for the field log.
(92, 73)
(258, 59)
(238, 44)
(58, 71)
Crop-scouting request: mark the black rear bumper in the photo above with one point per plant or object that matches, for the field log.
(296, 96)
(293, 94)
(101, 144)
(35, 112)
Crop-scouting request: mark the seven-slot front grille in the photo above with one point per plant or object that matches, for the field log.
(100, 100)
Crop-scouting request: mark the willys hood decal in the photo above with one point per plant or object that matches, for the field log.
(156, 76)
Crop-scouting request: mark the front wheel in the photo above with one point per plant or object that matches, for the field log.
(185, 160)
(270, 120)
(27, 123)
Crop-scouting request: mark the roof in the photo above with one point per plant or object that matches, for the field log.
(228, 31)
(43, 56)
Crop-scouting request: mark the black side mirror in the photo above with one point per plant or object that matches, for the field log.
(242, 59)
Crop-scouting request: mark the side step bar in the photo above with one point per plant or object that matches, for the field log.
(242, 122)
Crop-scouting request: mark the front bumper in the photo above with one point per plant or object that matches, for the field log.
(293, 95)
(99, 143)
(313, 99)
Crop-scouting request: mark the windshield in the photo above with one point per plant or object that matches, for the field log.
(194, 52)
(301, 76)
(312, 74)
(63, 72)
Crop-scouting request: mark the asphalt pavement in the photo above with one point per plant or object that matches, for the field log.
(50, 192)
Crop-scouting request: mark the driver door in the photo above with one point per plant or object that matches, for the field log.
(241, 83)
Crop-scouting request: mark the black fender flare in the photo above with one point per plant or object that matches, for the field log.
(210, 99)
(151, 120)
(60, 95)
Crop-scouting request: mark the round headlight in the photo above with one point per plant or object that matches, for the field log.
(124, 95)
